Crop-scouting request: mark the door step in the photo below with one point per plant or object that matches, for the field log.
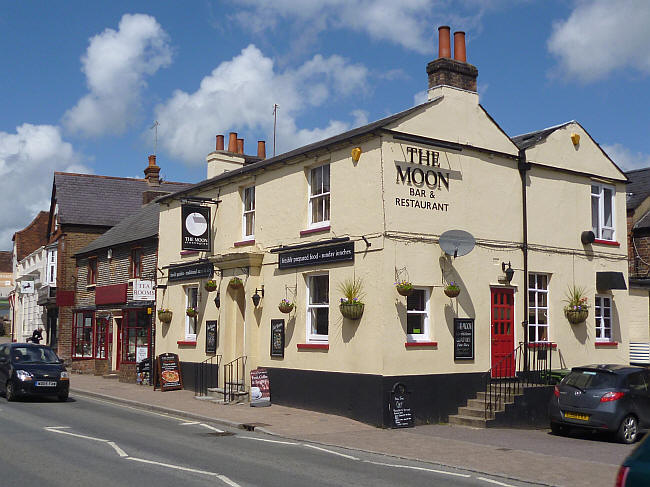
(111, 375)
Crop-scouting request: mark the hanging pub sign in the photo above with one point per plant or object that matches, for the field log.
(196, 228)
(317, 255)
(196, 270)
(463, 338)
(277, 338)
(211, 337)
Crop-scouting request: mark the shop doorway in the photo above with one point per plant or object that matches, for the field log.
(502, 332)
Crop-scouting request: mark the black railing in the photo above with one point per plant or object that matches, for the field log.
(234, 379)
(528, 365)
(206, 375)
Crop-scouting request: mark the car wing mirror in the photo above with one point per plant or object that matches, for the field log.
(61, 361)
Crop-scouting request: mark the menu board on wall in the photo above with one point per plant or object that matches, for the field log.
(169, 372)
(277, 338)
(463, 338)
(317, 255)
(211, 337)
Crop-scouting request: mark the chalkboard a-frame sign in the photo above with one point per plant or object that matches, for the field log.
(168, 372)
(463, 338)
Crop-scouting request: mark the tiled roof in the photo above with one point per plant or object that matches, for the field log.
(638, 189)
(5, 261)
(85, 199)
(32, 236)
(142, 224)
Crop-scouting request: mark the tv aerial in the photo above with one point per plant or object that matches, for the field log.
(456, 243)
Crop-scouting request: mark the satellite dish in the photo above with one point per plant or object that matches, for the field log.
(456, 242)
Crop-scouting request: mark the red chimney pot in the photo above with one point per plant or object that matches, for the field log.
(261, 149)
(444, 42)
(232, 142)
(240, 146)
(459, 47)
(219, 142)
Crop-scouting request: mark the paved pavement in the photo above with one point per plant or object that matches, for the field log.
(527, 455)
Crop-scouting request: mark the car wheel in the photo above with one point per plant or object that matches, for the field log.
(629, 430)
(63, 397)
(558, 429)
(10, 391)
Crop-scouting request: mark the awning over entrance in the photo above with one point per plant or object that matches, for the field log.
(610, 280)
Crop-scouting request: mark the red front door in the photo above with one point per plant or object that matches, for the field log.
(118, 360)
(503, 336)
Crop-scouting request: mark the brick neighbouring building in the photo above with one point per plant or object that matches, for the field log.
(83, 207)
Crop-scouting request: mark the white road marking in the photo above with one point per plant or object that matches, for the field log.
(421, 469)
(494, 482)
(119, 451)
(330, 451)
(186, 469)
(212, 428)
(268, 441)
(57, 430)
(117, 404)
(57, 427)
(190, 423)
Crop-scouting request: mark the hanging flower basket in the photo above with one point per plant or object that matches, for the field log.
(286, 306)
(576, 316)
(165, 315)
(191, 312)
(352, 311)
(210, 286)
(236, 283)
(404, 288)
(452, 289)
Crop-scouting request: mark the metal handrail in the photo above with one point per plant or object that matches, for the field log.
(527, 365)
(202, 375)
(234, 378)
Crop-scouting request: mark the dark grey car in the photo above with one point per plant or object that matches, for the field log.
(613, 398)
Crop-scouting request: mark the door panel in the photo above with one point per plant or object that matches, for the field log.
(502, 332)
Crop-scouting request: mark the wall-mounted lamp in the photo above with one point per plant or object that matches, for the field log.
(217, 300)
(356, 154)
(575, 138)
(109, 254)
(256, 297)
(509, 271)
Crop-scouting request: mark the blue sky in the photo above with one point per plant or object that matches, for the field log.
(82, 82)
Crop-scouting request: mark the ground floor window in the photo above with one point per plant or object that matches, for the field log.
(82, 334)
(136, 335)
(603, 312)
(191, 301)
(318, 305)
(101, 337)
(537, 308)
(417, 315)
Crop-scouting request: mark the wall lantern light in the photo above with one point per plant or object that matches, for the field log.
(256, 297)
(217, 300)
(356, 154)
(575, 138)
(508, 271)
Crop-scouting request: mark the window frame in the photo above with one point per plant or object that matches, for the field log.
(50, 273)
(425, 336)
(127, 326)
(101, 338)
(191, 321)
(324, 195)
(76, 328)
(310, 336)
(248, 212)
(92, 271)
(600, 325)
(533, 306)
(600, 197)
(135, 262)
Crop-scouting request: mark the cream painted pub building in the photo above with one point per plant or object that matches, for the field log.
(372, 204)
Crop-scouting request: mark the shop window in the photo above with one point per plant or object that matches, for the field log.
(417, 315)
(318, 308)
(92, 271)
(101, 338)
(603, 315)
(135, 266)
(537, 307)
(136, 335)
(82, 335)
(319, 196)
(602, 211)
(191, 301)
(248, 223)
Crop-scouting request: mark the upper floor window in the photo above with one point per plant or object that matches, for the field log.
(537, 307)
(92, 271)
(318, 305)
(135, 269)
(248, 224)
(602, 211)
(603, 312)
(51, 268)
(319, 196)
(417, 315)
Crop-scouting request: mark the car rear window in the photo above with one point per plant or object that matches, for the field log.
(590, 379)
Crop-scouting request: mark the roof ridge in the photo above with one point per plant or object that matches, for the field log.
(552, 127)
(33, 222)
(120, 178)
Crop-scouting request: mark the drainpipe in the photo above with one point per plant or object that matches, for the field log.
(524, 167)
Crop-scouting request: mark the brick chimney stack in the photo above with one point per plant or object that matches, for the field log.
(455, 72)
(152, 172)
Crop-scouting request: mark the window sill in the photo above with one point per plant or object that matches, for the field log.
(309, 231)
(243, 243)
(187, 343)
(606, 344)
(543, 345)
(189, 252)
(420, 344)
(613, 243)
(313, 346)
(91, 287)
(83, 358)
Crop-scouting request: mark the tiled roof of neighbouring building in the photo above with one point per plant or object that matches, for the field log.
(32, 236)
(5, 261)
(638, 189)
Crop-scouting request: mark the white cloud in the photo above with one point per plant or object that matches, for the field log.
(28, 158)
(239, 95)
(116, 65)
(602, 36)
(626, 159)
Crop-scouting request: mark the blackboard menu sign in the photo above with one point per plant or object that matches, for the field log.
(169, 372)
(277, 338)
(211, 337)
(463, 338)
(317, 255)
(400, 411)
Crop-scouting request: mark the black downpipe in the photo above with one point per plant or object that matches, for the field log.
(524, 167)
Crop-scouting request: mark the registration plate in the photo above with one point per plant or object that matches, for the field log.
(46, 383)
(581, 417)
